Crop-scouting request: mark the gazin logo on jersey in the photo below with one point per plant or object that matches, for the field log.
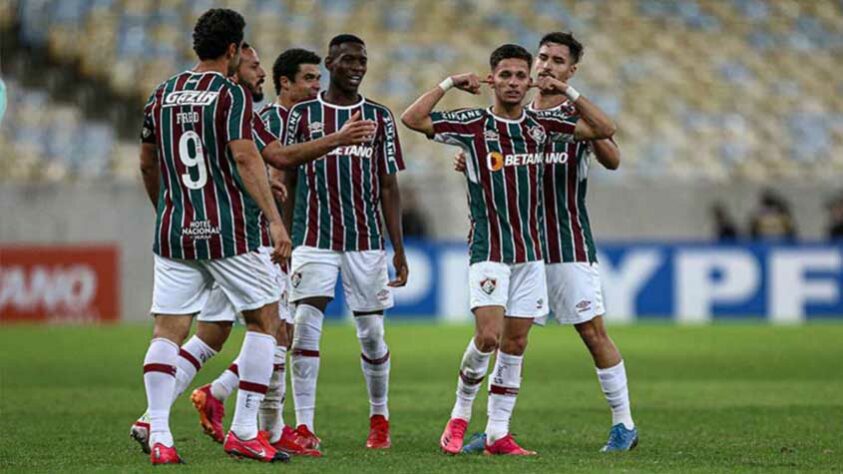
(202, 98)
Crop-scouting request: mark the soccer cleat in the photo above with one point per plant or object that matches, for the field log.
(211, 412)
(507, 446)
(475, 445)
(289, 443)
(140, 433)
(257, 448)
(306, 438)
(621, 439)
(161, 454)
(451, 440)
(378, 433)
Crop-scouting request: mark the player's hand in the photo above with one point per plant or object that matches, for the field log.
(356, 131)
(279, 191)
(401, 270)
(550, 84)
(468, 82)
(459, 162)
(281, 240)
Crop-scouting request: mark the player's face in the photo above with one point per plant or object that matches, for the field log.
(555, 60)
(307, 83)
(347, 63)
(511, 80)
(250, 74)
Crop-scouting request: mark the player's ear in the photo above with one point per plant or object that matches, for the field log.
(573, 70)
(329, 61)
(490, 78)
(232, 50)
(285, 82)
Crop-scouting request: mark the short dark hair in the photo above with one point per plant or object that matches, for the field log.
(510, 51)
(287, 65)
(215, 30)
(345, 38)
(566, 39)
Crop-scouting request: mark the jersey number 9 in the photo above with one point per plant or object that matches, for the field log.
(192, 155)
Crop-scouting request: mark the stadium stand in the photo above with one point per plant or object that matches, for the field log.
(712, 90)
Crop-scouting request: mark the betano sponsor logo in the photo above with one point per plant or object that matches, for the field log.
(357, 151)
(495, 161)
(200, 98)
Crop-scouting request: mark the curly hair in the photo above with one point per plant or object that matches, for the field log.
(215, 30)
(287, 65)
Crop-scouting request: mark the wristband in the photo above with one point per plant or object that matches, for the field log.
(446, 84)
(572, 94)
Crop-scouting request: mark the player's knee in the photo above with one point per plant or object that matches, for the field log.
(170, 329)
(308, 328)
(514, 345)
(487, 340)
(370, 332)
(213, 334)
(592, 334)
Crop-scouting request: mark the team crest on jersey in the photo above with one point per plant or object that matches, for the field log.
(315, 127)
(537, 134)
(491, 135)
(583, 305)
(488, 285)
(295, 279)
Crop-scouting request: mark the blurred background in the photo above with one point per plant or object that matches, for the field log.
(730, 113)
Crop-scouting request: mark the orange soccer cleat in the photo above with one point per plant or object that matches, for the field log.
(211, 412)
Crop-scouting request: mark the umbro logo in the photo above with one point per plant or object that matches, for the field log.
(315, 127)
(583, 305)
(491, 135)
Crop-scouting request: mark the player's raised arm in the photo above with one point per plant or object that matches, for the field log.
(607, 153)
(595, 124)
(353, 132)
(417, 115)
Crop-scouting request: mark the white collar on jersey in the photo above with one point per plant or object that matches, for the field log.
(506, 120)
(196, 73)
(341, 107)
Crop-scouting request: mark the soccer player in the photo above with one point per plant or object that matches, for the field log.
(216, 318)
(571, 259)
(208, 183)
(505, 145)
(337, 229)
(296, 77)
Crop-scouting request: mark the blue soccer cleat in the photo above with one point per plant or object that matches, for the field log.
(475, 445)
(621, 439)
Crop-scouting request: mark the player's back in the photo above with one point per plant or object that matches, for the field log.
(203, 210)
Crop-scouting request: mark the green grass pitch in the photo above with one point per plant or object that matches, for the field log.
(719, 398)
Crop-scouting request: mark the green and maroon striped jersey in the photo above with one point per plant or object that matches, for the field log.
(204, 210)
(338, 196)
(263, 136)
(504, 167)
(567, 229)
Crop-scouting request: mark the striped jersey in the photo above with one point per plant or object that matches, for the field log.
(337, 203)
(203, 211)
(504, 168)
(567, 228)
(263, 135)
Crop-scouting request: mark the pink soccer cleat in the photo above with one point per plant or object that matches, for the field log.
(507, 446)
(257, 448)
(452, 437)
(161, 454)
(378, 433)
(211, 412)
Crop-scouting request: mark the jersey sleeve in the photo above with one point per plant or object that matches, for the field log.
(390, 157)
(560, 127)
(261, 133)
(147, 134)
(238, 115)
(451, 127)
(295, 131)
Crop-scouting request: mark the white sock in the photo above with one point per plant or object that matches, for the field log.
(613, 383)
(305, 361)
(227, 381)
(271, 412)
(192, 356)
(374, 360)
(159, 378)
(473, 368)
(503, 391)
(255, 366)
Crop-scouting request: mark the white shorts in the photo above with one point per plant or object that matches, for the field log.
(364, 277)
(219, 309)
(184, 286)
(576, 295)
(520, 288)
